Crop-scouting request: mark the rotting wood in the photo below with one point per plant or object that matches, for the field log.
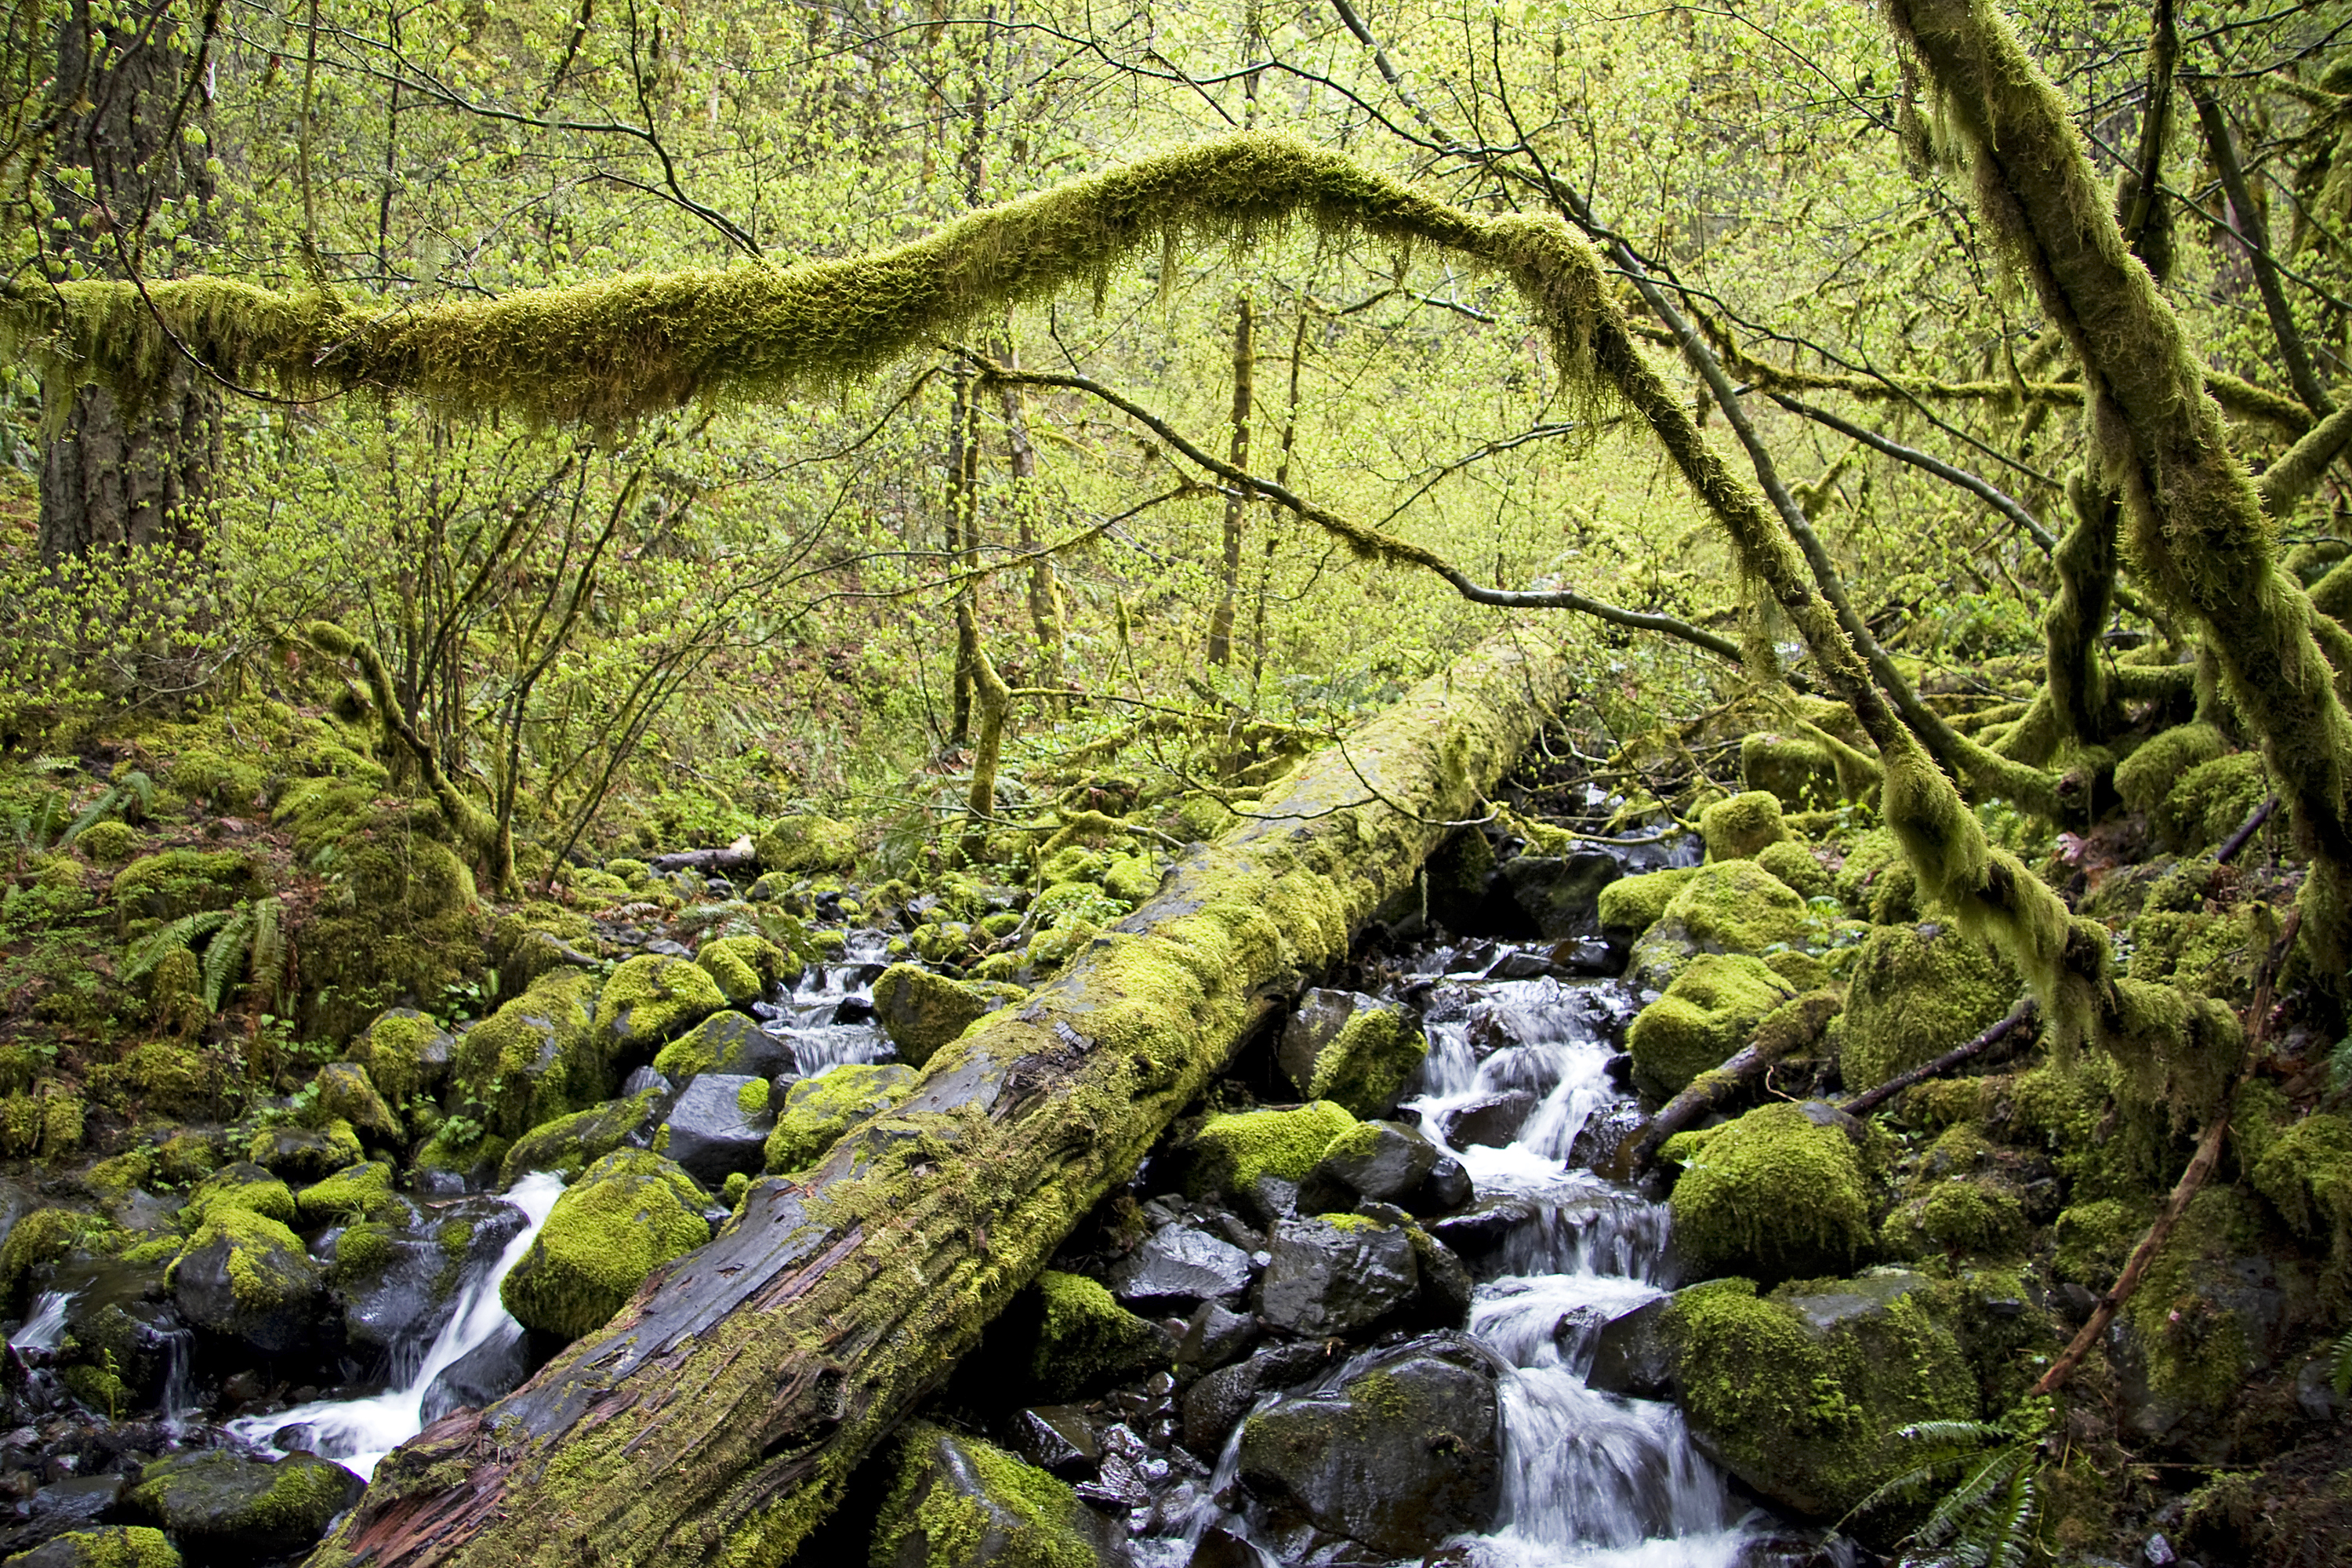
(716, 1417)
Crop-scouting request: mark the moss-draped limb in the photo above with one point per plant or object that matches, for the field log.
(988, 748)
(2085, 560)
(2199, 539)
(491, 841)
(715, 1418)
(2299, 468)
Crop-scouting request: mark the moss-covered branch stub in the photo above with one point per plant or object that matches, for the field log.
(716, 1417)
(2197, 530)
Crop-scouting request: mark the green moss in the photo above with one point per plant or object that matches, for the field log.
(527, 942)
(403, 922)
(2211, 800)
(1635, 903)
(746, 967)
(207, 1495)
(42, 1238)
(806, 845)
(2196, 1348)
(818, 1111)
(2151, 773)
(245, 1187)
(343, 1091)
(1773, 1195)
(922, 1012)
(1131, 878)
(1368, 1064)
(1808, 1413)
(1793, 863)
(1231, 1153)
(1799, 772)
(114, 1546)
(1732, 906)
(2094, 1238)
(1705, 1017)
(1915, 993)
(2175, 1051)
(1959, 1216)
(957, 1501)
(651, 999)
(569, 1144)
(1085, 1338)
(175, 882)
(2217, 955)
(2306, 1174)
(336, 1145)
(627, 1213)
(752, 1098)
(269, 1268)
(537, 1057)
(399, 1052)
(355, 1193)
(108, 842)
(1874, 882)
(1737, 828)
(174, 1080)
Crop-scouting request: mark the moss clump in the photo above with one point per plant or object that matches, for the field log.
(1704, 1016)
(356, 1193)
(1959, 1215)
(1799, 1394)
(569, 1144)
(2306, 1174)
(307, 1152)
(212, 1498)
(1085, 1338)
(1794, 864)
(958, 1501)
(2149, 773)
(1733, 906)
(1875, 883)
(42, 1238)
(921, 1011)
(404, 923)
(527, 942)
(1915, 993)
(1368, 1062)
(243, 1186)
(1799, 772)
(108, 842)
(2211, 800)
(404, 1053)
(746, 967)
(1231, 1153)
(2213, 953)
(818, 1111)
(1634, 904)
(2185, 1319)
(175, 882)
(1737, 828)
(2094, 1238)
(651, 999)
(1774, 1194)
(269, 1273)
(807, 846)
(112, 1546)
(752, 1098)
(628, 1212)
(344, 1093)
(174, 1080)
(536, 1058)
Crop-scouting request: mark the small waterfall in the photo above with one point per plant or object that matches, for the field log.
(45, 1326)
(358, 1433)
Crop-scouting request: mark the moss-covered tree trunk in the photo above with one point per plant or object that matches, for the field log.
(716, 1417)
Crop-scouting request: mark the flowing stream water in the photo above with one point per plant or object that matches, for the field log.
(358, 1433)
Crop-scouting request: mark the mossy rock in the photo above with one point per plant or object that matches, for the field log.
(175, 1079)
(1737, 828)
(306, 1154)
(629, 1213)
(107, 844)
(40, 1238)
(921, 1011)
(1797, 772)
(1732, 906)
(221, 1502)
(527, 942)
(1131, 878)
(405, 1053)
(1875, 882)
(360, 1192)
(1783, 1192)
(243, 1186)
(345, 1092)
(728, 1043)
(538, 1057)
(1084, 1339)
(1705, 1016)
(746, 967)
(650, 1000)
(165, 885)
(2305, 1172)
(1915, 993)
(249, 1278)
(2217, 955)
(2149, 773)
(807, 844)
(1796, 865)
(1364, 1068)
(818, 1111)
(407, 924)
(2209, 801)
(959, 1502)
(1798, 1394)
(1631, 905)
(570, 1144)
(112, 1546)
(1231, 1154)
(1972, 1216)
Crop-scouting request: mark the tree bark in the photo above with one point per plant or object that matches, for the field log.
(1229, 573)
(1044, 591)
(715, 1418)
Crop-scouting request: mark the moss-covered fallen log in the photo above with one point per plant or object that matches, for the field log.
(716, 1417)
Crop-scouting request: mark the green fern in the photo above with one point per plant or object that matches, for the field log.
(266, 958)
(130, 797)
(2339, 1371)
(226, 957)
(1991, 1470)
(185, 933)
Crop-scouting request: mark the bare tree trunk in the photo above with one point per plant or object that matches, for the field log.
(716, 1417)
(1229, 577)
(963, 529)
(1044, 591)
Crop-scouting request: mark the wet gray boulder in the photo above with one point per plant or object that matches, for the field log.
(223, 1507)
(1356, 1050)
(1213, 1337)
(65, 1507)
(1177, 1266)
(1386, 1161)
(1632, 1356)
(921, 1011)
(719, 1126)
(730, 1043)
(570, 1144)
(398, 1286)
(490, 1370)
(1214, 1404)
(247, 1277)
(1561, 894)
(1491, 1119)
(1056, 1440)
(1337, 1274)
(1403, 1454)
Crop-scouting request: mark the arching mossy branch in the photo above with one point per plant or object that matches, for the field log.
(2200, 538)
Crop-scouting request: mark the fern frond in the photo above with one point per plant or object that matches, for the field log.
(55, 810)
(47, 763)
(266, 960)
(226, 957)
(2340, 1372)
(138, 787)
(2009, 1544)
(1964, 1505)
(93, 814)
(149, 950)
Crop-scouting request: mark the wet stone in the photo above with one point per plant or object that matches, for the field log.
(489, 1371)
(1056, 1440)
(709, 1133)
(1631, 1356)
(1180, 1264)
(1484, 1226)
(76, 1503)
(220, 1507)
(1214, 1404)
(1387, 1163)
(1491, 1119)
(1328, 1278)
(1215, 1337)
